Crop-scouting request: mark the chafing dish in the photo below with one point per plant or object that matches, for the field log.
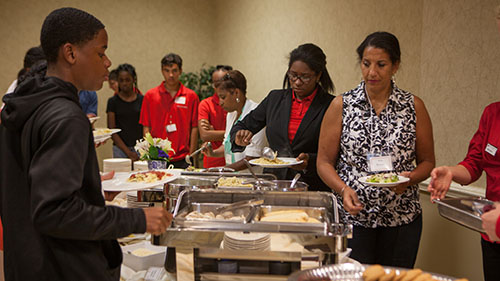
(201, 240)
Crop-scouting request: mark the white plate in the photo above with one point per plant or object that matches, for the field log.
(120, 183)
(135, 236)
(290, 161)
(93, 119)
(384, 184)
(101, 139)
(104, 136)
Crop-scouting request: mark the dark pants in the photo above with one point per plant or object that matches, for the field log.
(390, 246)
(181, 164)
(491, 260)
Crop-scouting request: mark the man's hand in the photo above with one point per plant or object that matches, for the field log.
(205, 124)
(243, 137)
(157, 220)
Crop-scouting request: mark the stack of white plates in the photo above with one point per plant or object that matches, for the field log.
(132, 201)
(238, 241)
(117, 165)
(141, 166)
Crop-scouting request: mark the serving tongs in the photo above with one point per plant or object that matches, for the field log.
(480, 206)
(189, 156)
(253, 204)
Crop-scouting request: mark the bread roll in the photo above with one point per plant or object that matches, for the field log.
(373, 273)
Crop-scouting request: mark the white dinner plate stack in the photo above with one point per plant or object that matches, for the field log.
(132, 201)
(117, 164)
(238, 241)
(141, 166)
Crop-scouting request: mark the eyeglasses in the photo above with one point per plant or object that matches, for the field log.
(293, 77)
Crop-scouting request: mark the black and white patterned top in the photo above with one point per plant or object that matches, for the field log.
(393, 130)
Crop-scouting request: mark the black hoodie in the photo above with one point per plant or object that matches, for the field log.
(56, 225)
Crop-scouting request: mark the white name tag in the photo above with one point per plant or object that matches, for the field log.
(171, 128)
(380, 163)
(491, 149)
(180, 100)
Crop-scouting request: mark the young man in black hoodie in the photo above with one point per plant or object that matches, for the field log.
(56, 225)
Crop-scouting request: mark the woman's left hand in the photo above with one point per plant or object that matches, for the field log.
(401, 188)
(302, 157)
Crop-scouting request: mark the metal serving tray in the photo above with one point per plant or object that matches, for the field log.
(319, 213)
(464, 211)
(313, 202)
(349, 272)
(181, 220)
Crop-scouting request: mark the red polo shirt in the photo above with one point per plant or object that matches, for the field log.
(171, 118)
(211, 110)
(299, 109)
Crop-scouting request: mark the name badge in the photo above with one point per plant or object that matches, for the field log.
(491, 149)
(380, 163)
(171, 128)
(180, 100)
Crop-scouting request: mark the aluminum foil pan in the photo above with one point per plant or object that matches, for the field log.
(347, 272)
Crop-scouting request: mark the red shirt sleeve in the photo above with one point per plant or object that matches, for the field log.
(144, 119)
(204, 110)
(473, 161)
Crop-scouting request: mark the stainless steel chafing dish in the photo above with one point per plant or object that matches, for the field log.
(190, 181)
(200, 240)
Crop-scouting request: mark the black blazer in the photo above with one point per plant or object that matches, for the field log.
(274, 114)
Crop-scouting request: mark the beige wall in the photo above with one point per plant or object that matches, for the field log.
(450, 54)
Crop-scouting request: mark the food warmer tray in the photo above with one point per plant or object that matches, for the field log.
(348, 272)
(321, 203)
(464, 211)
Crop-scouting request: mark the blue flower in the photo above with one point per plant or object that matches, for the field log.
(162, 154)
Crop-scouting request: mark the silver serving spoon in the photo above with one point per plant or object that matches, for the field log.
(268, 153)
(294, 180)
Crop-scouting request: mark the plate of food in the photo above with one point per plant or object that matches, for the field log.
(104, 133)
(279, 162)
(384, 180)
(139, 180)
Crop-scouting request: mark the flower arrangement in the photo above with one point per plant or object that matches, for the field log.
(151, 148)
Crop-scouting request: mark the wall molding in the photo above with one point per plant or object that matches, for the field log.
(457, 190)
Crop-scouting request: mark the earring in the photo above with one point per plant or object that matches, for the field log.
(393, 79)
(238, 100)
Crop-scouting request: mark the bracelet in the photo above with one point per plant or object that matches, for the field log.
(342, 192)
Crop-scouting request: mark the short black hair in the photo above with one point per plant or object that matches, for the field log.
(382, 40)
(170, 59)
(67, 25)
(33, 55)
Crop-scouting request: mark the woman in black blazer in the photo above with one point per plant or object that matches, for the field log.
(292, 116)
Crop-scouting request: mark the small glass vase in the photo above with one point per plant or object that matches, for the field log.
(157, 164)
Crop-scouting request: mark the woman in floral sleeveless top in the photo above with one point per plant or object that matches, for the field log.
(378, 121)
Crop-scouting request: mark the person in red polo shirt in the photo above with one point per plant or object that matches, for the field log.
(170, 110)
(212, 120)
